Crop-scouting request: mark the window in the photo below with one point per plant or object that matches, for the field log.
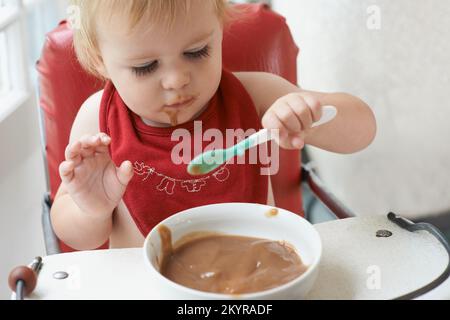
(13, 85)
(41, 16)
(4, 79)
(23, 25)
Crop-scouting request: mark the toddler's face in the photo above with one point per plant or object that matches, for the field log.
(158, 72)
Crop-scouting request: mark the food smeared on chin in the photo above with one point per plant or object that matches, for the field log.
(227, 264)
(173, 116)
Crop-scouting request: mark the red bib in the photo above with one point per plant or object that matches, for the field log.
(161, 188)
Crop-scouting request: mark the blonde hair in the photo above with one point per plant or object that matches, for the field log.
(85, 38)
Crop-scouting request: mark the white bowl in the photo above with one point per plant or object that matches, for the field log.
(240, 219)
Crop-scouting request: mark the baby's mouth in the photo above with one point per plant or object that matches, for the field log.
(180, 103)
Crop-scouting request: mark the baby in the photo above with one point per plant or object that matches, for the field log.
(162, 63)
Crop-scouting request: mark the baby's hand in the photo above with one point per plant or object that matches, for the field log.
(294, 115)
(91, 178)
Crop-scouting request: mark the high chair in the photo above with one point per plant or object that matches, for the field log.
(259, 41)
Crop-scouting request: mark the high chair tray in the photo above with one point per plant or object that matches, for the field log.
(356, 264)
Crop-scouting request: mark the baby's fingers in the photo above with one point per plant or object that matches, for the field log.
(125, 173)
(301, 112)
(73, 152)
(272, 122)
(104, 141)
(315, 106)
(66, 171)
(94, 144)
(297, 142)
(286, 115)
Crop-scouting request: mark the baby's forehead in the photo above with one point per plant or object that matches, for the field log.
(152, 39)
(146, 31)
(122, 25)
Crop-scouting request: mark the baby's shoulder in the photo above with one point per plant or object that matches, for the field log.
(87, 120)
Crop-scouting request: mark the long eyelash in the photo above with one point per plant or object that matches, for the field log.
(202, 53)
(144, 70)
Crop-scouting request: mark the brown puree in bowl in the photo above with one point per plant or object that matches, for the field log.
(228, 264)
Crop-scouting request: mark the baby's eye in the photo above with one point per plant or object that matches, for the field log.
(145, 69)
(202, 53)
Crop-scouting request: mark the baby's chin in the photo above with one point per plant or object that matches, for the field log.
(175, 117)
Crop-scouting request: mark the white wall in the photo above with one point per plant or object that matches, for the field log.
(403, 71)
(22, 184)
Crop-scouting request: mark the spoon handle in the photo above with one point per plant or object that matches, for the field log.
(262, 136)
(328, 114)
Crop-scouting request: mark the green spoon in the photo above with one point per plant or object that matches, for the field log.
(211, 160)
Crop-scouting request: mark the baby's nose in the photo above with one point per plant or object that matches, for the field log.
(175, 80)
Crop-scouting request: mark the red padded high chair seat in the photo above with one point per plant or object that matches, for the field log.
(259, 40)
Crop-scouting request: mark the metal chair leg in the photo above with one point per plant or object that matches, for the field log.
(51, 241)
(310, 178)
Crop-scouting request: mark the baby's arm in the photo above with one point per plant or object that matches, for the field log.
(284, 106)
(91, 187)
